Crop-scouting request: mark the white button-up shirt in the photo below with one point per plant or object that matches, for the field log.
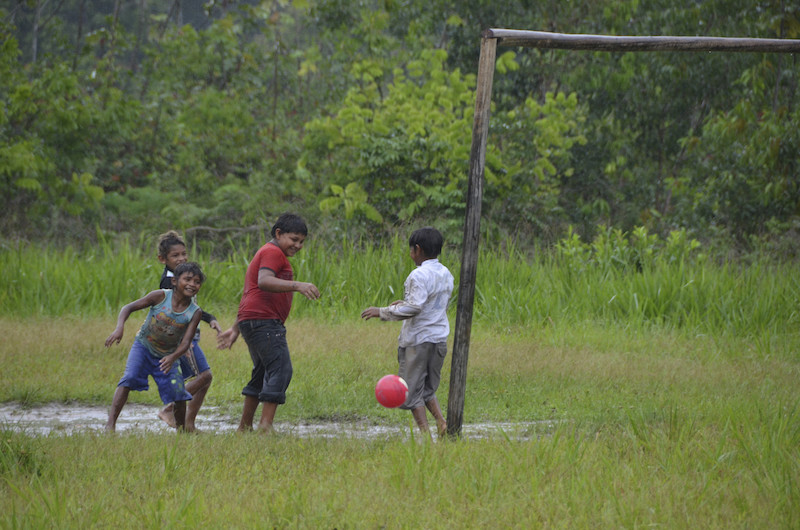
(424, 305)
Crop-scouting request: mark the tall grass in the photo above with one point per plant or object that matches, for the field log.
(639, 288)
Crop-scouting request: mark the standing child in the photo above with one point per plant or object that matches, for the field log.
(194, 366)
(423, 337)
(266, 301)
(164, 337)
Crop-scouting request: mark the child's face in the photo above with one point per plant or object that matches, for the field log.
(187, 284)
(175, 256)
(289, 242)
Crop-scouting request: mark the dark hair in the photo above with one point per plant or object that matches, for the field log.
(191, 268)
(167, 241)
(291, 224)
(429, 240)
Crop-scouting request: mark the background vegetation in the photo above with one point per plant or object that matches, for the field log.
(125, 116)
(657, 374)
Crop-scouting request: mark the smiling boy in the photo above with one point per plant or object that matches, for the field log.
(266, 301)
(164, 337)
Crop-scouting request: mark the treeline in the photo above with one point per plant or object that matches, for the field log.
(134, 116)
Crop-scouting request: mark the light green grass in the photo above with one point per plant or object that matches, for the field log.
(655, 428)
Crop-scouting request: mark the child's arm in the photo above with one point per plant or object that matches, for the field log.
(400, 310)
(415, 296)
(168, 360)
(226, 339)
(150, 299)
(211, 320)
(267, 281)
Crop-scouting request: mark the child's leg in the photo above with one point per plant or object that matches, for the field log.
(179, 409)
(137, 368)
(248, 413)
(198, 369)
(421, 417)
(267, 416)
(197, 387)
(120, 398)
(441, 424)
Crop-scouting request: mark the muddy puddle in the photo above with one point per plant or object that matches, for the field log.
(67, 419)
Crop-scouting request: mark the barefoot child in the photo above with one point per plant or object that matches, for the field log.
(423, 337)
(164, 337)
(194, 366)
(266, 301)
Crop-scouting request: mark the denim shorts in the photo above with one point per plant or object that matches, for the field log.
(141, 363)
(272, 366)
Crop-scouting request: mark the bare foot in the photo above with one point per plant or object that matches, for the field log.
(264, 430)
(441, 428)
(168, 417)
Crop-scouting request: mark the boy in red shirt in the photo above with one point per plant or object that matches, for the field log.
(266, 301)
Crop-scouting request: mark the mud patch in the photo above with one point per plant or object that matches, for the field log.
(67, 419)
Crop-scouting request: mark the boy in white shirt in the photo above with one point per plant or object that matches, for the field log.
(422, 345)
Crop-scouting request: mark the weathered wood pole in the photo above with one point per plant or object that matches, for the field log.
(472, 229)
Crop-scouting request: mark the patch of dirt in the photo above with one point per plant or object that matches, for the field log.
(66, 419)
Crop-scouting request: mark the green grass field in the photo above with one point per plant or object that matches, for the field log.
(667, 397)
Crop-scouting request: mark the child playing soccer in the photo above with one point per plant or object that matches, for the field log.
(164, 337)
(194, 366)
(266, 301)
(423, 337)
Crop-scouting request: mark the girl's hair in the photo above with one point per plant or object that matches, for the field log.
(191, 268)
(429, 240)
(167, 241)
(290, 223)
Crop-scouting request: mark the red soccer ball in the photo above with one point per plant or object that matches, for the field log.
(391, 391)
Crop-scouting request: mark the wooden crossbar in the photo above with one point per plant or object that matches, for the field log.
(606, 43)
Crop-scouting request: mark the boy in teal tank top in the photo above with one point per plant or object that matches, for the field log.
(163, 338)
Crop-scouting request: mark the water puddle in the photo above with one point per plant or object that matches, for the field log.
(67, 419)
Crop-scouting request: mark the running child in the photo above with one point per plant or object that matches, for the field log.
(194, 365)
(269, 285)
(164, 337)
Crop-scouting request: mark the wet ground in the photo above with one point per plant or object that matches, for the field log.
(66, 419)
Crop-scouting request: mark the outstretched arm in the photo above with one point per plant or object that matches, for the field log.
(150, 299)
(226, 339)
(267, 281)
(211, 320)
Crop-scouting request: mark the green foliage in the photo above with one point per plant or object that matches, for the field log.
(233, 112)
(745, 164)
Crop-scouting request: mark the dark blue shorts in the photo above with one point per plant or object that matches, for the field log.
(141, 363)
(272, 366)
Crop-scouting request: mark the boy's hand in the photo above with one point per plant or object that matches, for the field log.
(309, 290)
(215, 325)
(166, 363)
(226, 339)
(115, 337)
(371, 312)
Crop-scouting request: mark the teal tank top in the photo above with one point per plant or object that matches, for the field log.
(163, 328)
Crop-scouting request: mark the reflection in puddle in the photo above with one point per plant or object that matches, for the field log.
(59, 418)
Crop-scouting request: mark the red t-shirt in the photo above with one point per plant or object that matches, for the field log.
(257, 304)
